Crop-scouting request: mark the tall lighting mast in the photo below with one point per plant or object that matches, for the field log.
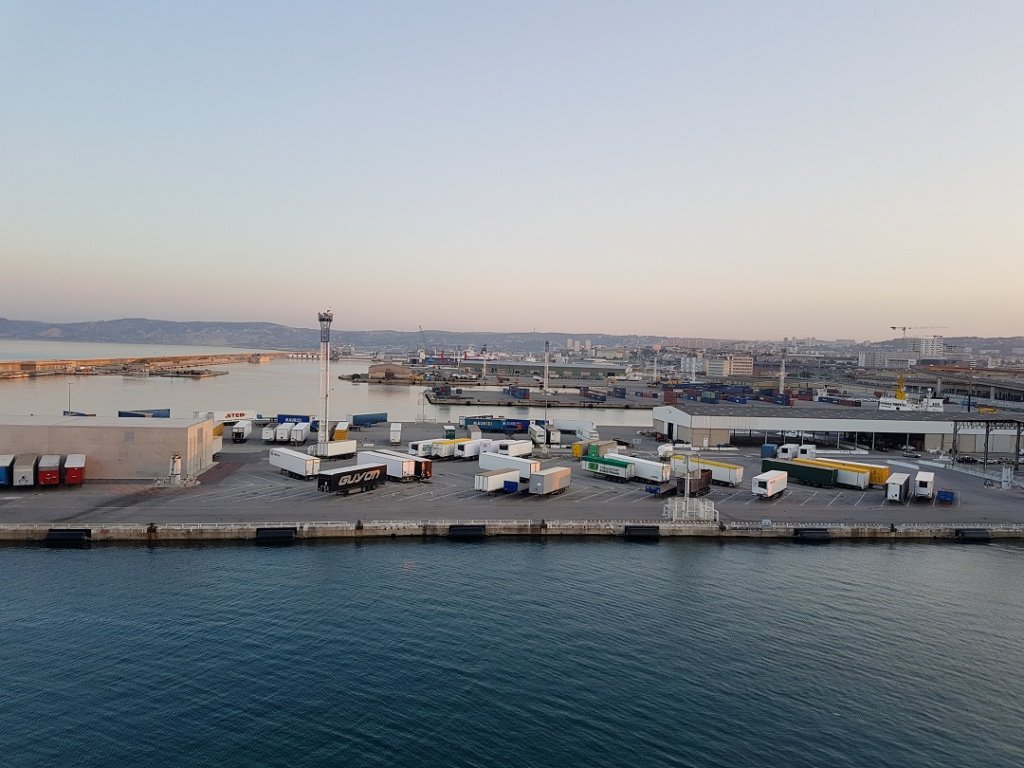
(324, 433)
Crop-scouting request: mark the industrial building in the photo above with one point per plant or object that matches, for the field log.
(711, 425)
(556, 370)
(117, 448)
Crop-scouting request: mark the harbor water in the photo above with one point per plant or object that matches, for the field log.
(519, 653)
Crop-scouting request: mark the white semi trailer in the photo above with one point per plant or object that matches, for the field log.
(295, 464)
(526, 467)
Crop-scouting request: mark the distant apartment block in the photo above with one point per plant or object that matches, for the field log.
(730, 365)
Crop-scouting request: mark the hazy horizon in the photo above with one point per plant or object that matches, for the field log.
(730, 170)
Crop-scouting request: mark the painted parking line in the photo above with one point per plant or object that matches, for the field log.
(591, 496)
(809, 498)
(837, 498)
(857, 503)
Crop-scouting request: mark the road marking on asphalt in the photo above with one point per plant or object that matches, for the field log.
(857, 503)
(809, 498)
(838, 496)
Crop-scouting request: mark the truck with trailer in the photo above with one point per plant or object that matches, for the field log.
(294, 464)
(241, 430)
(74, 469)
(423, 469)
(721, 472)
(526, 467)
(24, 472)
(493, 480)
(611, 469)
(924, 486)
(803, 473)
(395, 434)
(769, 484)
(645, 469)
(6, 470)
(48, 471)
(401, 469)
(847, 477)
(335, 449)
(515, 447)
(897, 487)
(550, 481)
(299, 434)
(345, 480)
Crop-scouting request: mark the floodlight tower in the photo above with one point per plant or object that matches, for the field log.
(324, 433)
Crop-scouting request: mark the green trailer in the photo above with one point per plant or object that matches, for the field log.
(805, 474)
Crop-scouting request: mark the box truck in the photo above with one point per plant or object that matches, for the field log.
(897, 487)
(645, 469)
(241, 430)
(769, 484)
(401, 469)
(526, 467)
(48, 471)
(924, 486)
(493, 480)
(550, 480)
(344, 480)
(74, 469)
(24, 473)
(335, 449)
(293, 463)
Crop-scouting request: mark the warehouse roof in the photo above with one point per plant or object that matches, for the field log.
(97, 421)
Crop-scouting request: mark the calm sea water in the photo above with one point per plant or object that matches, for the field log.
(281, 386)
(529, 654)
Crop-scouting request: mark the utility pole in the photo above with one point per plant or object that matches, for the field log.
(323, 434)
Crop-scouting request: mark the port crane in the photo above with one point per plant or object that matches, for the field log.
(906, 328)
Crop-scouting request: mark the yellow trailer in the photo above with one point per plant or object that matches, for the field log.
(579, 448)
(878, 473)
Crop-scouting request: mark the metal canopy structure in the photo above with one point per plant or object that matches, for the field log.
(988, 423)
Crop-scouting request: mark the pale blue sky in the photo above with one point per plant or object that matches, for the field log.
(750, 170)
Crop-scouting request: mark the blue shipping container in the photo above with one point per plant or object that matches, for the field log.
(367, 419)
(7, 472)
(292, 418)
(516, 425)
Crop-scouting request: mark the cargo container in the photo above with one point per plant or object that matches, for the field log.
(335, 449)
(367, 419)
(549, 481)
(945, 496)
(721, 473)
(847, 477)
(700, 483)
(283, 432)
(74, 469)
(788, 451)
(645, 469)
(879, 473)
(769, 484)
(24, 473)
(471, 448)
(423, 469)
(599, 448)
(769, 451)
(423, 447)
(6, 469)
(293, 463)
(897, 487)
(240, 431)
(269, 433)
(484, 423)
(341, 430)
(395, 434)
(526, 467)
(804, 473)
(345, 480)
(400, 469)
(515, 447)
(445, 448)
(924, 486)
(299, 434)
(48, 470)
(612, 469)
(493, 480)
(293, 418)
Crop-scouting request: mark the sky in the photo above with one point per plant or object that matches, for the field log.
(717, 169)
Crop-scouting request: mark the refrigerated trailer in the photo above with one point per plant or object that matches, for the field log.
(897, 487)
(48, 470)
(769, 484)
(335, 449)
(472, 448)
(74, 469)
(423, 447)
(721, 473)
(24, 474)
(269, 433)
(645, 469)
(283, 432)
(299, 433)
(344, 480)
(293, 463)
(924, 486)
(423, 468)
(395, 434)
(240, 431)
(514, 447)
(445, 448)
(398, 468)
(526, 467)
(493, 480)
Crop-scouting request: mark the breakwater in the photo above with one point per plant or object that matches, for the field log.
(151, 364)
(181, 532)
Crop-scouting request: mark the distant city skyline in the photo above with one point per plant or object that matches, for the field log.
(734, 170)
